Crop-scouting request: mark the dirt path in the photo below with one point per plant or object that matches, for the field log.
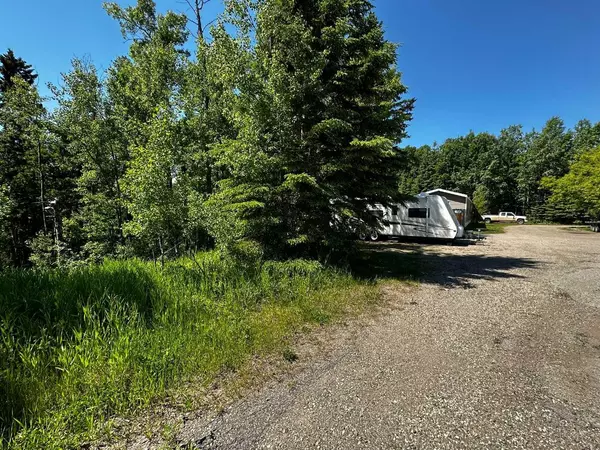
(499, 348)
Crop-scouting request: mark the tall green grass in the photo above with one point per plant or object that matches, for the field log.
(82, 346)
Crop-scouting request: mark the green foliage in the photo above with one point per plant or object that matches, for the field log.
(317, 114)
(499, 169)
(286, 118)
(579, 189)
(420, 171)
(481, 199)
(93, 157)
(24, 166)
(549, 154)
(80, 346)
(585, 136)
(12, 68)
(504, 172)
(155, 192)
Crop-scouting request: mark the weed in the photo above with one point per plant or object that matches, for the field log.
(79, 347)
(289, 355)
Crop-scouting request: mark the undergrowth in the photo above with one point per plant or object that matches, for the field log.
(82, 346)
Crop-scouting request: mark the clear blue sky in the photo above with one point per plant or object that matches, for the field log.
(472, 64)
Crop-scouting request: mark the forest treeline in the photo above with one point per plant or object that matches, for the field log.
(278, 127)
(523, 172)
(267, 131)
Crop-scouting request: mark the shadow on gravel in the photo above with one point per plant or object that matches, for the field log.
(410, 261)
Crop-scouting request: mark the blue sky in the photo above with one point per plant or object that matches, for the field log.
(476, 65)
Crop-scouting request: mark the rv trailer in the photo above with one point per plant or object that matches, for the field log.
(426, 216)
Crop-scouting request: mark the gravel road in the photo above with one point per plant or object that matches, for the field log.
(498, 348)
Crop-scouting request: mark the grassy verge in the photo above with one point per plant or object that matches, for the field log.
(80, 347)
(497, 227)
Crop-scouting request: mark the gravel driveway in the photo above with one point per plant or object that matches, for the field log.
(498, 348)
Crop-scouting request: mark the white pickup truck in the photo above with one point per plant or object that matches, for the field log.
(504, 217)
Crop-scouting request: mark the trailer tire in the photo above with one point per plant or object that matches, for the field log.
(374, 236)
(488, 221)
(362, 236)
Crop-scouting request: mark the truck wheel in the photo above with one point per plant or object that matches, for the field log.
(374, 235)
(488, 221)
(520, 221)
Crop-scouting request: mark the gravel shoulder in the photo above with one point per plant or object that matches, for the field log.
(498, 348)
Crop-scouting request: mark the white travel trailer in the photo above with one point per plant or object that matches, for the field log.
(427, 216)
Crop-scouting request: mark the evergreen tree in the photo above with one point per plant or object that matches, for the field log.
(23, 167)
(12, 67)
(321, 119)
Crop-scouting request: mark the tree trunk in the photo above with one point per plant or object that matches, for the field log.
(119, 211)
(42, 187)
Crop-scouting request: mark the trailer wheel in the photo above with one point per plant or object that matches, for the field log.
(374, 235)
(488, 221)
(362, 236)
(520, 221)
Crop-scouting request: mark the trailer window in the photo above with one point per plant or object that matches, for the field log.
(418, 213)
(394, 210)
(377, 213)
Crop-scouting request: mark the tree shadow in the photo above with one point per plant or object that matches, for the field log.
(406, 261)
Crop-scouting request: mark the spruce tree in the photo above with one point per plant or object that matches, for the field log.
(11, 67)
(319, 125)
